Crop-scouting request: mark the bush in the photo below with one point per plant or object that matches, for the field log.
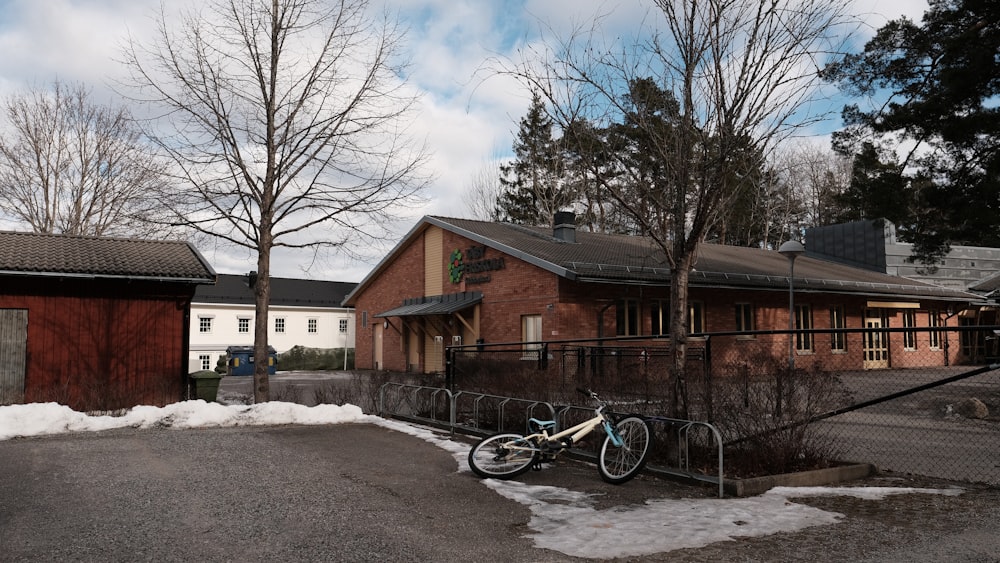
(300, 358)
(761, 443)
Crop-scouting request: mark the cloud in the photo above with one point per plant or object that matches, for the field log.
(466, 114)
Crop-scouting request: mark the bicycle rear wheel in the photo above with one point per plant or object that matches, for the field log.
(619, 464)
(502, 456)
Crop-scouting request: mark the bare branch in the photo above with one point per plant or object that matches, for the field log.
(68, 165)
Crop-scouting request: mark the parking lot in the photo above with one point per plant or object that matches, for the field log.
(360, 492)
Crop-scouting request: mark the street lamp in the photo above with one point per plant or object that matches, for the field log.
(791, 249)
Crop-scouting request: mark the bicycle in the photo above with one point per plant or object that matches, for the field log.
(623, 453)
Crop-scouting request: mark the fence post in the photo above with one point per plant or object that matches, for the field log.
(449, 369)
(543, 356)
(707, 366)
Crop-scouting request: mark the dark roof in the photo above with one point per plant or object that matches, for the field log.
(233, 289)
(597, 257)
(435, 305)
(33, 254)
(987, 286)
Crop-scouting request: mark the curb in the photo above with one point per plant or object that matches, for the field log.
(829, 476)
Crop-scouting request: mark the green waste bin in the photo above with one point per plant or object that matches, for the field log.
(204, 385)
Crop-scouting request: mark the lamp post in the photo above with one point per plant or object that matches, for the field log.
(791, 249)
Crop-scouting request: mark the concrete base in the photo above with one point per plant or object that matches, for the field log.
(819, 477)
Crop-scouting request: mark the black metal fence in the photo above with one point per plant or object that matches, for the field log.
(922, 401)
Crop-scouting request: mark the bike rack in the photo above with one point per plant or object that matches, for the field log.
(684, 428)
(434, 392)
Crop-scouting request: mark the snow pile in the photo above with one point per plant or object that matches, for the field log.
(39, 419)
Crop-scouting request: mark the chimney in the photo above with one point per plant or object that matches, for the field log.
(564, 226)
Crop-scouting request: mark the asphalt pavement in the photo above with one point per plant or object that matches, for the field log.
(336, 493)
(361, 492)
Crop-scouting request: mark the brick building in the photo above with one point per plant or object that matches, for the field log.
(452, 281)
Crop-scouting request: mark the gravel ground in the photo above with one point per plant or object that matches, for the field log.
(364, 493)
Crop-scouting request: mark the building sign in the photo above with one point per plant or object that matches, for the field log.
(472, 266)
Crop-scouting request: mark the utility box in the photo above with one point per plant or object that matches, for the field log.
(240, 360)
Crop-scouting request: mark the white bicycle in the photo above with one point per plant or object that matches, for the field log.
(623, 453)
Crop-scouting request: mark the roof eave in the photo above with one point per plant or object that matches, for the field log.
(129, 277)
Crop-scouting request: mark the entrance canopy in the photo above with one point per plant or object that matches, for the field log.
(435, 305)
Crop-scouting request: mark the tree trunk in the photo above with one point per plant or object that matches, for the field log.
(678, 335)
(262, 298)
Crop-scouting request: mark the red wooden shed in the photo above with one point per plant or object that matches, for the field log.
(95, 323)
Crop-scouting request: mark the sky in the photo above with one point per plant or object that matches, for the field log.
(467, 118)
(627, 531)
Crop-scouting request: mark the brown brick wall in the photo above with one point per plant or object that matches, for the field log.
(574, 310)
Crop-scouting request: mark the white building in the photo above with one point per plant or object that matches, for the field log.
(302, 313)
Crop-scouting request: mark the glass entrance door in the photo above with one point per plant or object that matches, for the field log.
(876, 348)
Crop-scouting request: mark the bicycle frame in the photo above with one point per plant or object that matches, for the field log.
(576, 433)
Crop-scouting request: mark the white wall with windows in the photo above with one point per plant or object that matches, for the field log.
(216, 326)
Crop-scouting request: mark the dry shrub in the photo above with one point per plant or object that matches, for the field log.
(759, 442)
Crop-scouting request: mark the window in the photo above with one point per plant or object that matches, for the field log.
(696, 317)
(934, 337)
(279, 324)
(744, 317)
(803, 321)
(343, 326)
(531, 331)
(312, 326)
(838, 340)
(660, 313)
(204, 324)
(627, 317)
(660, 317)
(909, 336)
(206, 362)
(243, 325)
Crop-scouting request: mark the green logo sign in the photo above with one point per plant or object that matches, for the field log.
(455, 266)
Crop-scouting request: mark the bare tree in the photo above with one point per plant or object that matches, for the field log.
(741, 75)
(483, 189)
(70, 165)
(819, 175)
(285, 124)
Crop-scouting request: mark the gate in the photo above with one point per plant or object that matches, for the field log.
(13, 353)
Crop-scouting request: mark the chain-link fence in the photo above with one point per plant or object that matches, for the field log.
(916, 401)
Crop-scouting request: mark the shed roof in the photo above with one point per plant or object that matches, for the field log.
(623, 259)
(434, 305)
(35, 254)
(233, 289)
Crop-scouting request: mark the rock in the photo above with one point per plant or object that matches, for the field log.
(972, 408)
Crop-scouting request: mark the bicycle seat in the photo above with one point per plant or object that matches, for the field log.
(542, 424)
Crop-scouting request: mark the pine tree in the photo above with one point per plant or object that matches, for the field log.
(532, 185)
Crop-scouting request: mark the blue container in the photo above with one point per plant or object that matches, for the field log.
(240, 360)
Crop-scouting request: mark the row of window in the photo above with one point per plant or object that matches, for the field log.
(243, 325)
(627, 320)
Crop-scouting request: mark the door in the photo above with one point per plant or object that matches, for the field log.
(13, 354)
(876, 348)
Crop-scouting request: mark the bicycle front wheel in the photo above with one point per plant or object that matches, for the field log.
(619, 464)
(502, 456)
